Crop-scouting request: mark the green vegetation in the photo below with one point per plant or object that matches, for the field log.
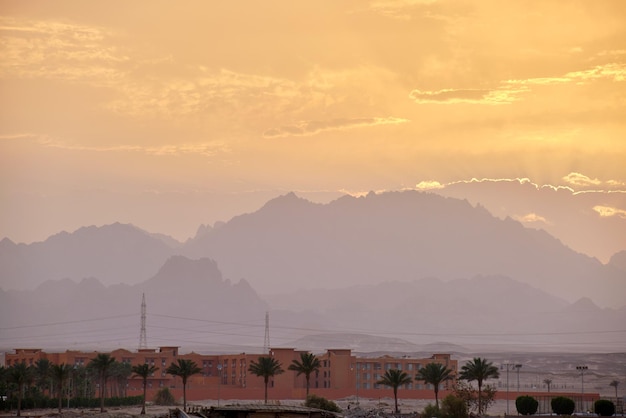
(164, 397)
(562, 405)
(548, 383)
(615, 384)
(308, 364)
(184, 369)
(434, 374)
(101, 364)
(43, 374)
(61, 373)
(395, 378)
(430, 411)
(21, 375)
(604, 407)
(266, 367)
(526, 405)
(144, 371)
(479, 369)
(468, 394)
(453, 407)
(314, 401)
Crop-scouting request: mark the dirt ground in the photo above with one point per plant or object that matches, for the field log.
(377, 407)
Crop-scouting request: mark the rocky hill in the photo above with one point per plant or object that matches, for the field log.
(292, 244)
(188, 303)
(116, 253)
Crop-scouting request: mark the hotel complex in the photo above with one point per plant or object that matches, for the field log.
(226, 376)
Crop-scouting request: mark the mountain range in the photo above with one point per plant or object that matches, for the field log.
(399, 264)
(291, 243)
(191, 304)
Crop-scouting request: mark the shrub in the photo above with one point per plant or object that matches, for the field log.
(562, 405)
(604, 407)
(314, 401)
(164, 397)
(526, 405)
(453, 407)
(430, 411)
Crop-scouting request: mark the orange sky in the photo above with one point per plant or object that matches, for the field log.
(171, 114)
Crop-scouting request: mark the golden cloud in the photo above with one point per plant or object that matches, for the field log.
(204, 148)
(475, 96)
(56, 50)
(429, 185)
(307, 128)
(531, 218)
(397, 9)
(577, 183)
(608, 211)
(510, 91)
(577, 179)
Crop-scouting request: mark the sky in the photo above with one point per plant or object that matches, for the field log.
(169, 115)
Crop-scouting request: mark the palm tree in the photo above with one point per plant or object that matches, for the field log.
(144, 370)
(479, 369)
(266, 367)
(120, 372)
(395, 378)
(3, 377)
(435, 374)
(82, 381)
(548, 383)
(308, 364)
(184, 368)
(43, 371)
(20, 374)
(101, 364)
(615, 384)
(60, 374)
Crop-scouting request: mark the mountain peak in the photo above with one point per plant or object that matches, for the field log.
(287, 199)
(6, 243)
(583, 304)
(618, 260)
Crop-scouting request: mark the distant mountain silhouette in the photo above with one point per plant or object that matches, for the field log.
(114, 254)
(291, 243)
(463, 311)
(190, 304)
(618, 261)
(64, 314)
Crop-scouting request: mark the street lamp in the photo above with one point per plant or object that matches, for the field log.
(507, 365)
(582, 369)
(355, 367)
(219, 383)
(517, 367)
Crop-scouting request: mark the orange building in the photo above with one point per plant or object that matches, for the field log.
(226, 376)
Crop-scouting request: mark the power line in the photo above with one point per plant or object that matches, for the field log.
(66, 322)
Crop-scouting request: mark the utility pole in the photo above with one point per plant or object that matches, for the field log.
(219, 383)
(142, 335)
(506, 364)
(509, 366)
(517, 367)
(266, 342)
(582, 370)
(356, 378)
